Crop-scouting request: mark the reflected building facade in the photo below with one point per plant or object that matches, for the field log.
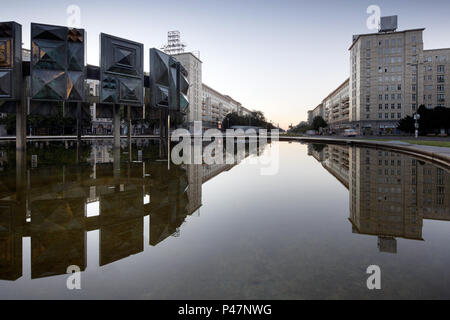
(71, 190)
(389, 193)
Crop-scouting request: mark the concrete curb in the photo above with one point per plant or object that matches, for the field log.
(417, 151)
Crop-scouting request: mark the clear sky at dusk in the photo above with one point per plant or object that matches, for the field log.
(281, 57)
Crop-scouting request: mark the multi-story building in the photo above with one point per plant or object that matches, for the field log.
(244, 111)
(316, 112)
(386, 83)
(193, 65)
(215, 107)
(436, 76)
(391, 75)
(336, 107)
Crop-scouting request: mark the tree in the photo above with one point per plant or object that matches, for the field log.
(318, 147)
(256, 119)
(431, 121)
(302, 127)
(319, 122)
(406, 125)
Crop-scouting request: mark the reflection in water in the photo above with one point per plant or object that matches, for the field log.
(71, 189)
(114, 213)
(390, 193)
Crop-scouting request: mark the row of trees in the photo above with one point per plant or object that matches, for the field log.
(431, 121)
(255, 119)
(302, 127)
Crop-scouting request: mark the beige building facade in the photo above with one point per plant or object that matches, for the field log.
(436, 77)
(215, 107)
(391, 75)
(193, 65)
(316, 112)
(336, 106)
(390, 194)
(386, 83)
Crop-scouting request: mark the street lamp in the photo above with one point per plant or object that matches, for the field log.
(416, 64)
(416, 124)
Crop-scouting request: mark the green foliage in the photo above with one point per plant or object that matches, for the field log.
(318, 147)
(301, 128)
(431, 121)
(406, 125)
(256, 119)
(319, 122)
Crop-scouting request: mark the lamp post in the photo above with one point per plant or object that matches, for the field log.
(417, 64)
(416, 124)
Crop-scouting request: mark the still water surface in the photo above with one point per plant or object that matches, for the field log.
(141, 230)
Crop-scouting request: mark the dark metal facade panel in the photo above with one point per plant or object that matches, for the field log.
(57, 68)
(121, 71)
(168, 82)
(10, 60)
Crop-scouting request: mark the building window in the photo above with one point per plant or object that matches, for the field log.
(440, 79)
(399, 115)
(441, 69)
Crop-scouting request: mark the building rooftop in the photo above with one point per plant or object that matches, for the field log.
(338, 88)
(188, 53)
(382, 33)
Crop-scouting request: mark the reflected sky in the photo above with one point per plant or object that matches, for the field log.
(225, 232)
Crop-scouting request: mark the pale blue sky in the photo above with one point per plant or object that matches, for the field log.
(282, 57)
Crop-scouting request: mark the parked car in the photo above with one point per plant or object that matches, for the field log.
(350, 133)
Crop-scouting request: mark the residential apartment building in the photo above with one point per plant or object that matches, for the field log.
(336, 107)
(193, 65)
(436, 77)
(316, 112)
(215, 107)
(391, 75)
(386, 83)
